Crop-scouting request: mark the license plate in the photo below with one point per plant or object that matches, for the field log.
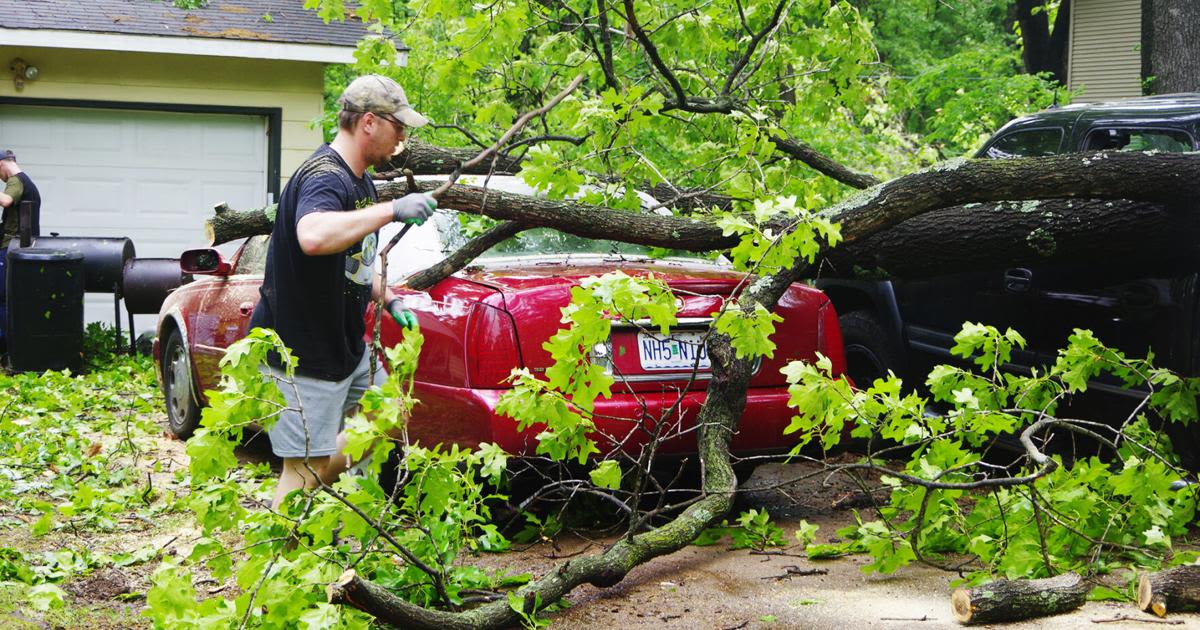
(677, 352)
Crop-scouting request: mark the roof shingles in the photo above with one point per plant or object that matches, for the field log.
(258, 20)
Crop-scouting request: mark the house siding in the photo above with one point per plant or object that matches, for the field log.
(295, 88)
(1105, 60)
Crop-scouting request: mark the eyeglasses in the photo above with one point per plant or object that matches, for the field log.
(400, 127)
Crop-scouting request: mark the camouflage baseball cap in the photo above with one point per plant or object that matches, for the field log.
(380, 95)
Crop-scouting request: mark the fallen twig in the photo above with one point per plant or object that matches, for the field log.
(778, 553)
(1119, 618)
(791, 571)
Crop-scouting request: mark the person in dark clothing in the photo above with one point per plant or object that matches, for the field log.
(18, 187)
(320, 276)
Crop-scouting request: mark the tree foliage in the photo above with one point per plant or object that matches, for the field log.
(763, 102)
(1049, 509)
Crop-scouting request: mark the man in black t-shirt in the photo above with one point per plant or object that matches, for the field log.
(320, 275)
(17, 188)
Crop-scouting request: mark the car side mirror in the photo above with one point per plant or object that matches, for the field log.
(205, 261)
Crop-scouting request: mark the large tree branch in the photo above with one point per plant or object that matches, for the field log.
(1160, 178)
(423, 158)
(757, 39)
(986, 236)
(1164, 178)
(652, 53)
(580, 219)
(606, 58)
(822, 163)
(464, 255)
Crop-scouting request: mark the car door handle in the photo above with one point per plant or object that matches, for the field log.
(246, 308)
(1017, 280)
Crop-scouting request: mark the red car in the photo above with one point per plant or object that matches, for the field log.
(494, 316)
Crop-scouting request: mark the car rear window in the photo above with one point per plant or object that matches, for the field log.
(548, 242)
(1166, 140)
(1026, 143)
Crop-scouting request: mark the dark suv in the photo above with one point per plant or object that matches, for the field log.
(1135, 304)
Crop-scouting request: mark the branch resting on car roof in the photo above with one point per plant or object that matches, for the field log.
(1162, 178)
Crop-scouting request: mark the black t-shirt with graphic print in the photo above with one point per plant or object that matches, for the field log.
(316, 303)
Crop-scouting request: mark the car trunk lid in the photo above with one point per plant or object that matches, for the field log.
(637, 355)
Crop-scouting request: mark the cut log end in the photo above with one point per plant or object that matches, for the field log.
(1173, 590)
(960, 603)
(1005, 600)
(335, 593)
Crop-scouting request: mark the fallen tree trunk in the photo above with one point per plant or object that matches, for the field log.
(228, 224)
(1012, 600)
(423, 158)
(908, 227)
(997, 235)
(568, 216)
(1169, 591)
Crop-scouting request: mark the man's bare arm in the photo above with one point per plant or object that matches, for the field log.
(324, 233)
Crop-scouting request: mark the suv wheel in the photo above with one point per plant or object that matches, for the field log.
(870, 353)
(183, 412)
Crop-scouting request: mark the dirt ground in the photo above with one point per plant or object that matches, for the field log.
(717, 588)
(709, 587)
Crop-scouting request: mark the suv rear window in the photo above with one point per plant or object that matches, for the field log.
(1166, 140)
(1026, 143)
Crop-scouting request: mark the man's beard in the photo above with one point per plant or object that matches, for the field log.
(384, 162)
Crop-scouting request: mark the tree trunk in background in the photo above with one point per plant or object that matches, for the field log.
(1043, 50)
(1171, 45)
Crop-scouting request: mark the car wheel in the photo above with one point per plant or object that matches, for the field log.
(870, 351)
(183, 412)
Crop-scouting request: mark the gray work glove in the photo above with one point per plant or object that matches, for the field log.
(406, 319)
(413, 208)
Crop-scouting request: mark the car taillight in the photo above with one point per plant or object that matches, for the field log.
(492, 350)
(829, 338)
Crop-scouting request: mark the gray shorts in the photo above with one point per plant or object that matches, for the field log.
(325, 405)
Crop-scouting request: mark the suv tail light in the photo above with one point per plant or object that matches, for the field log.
(492, 350)
(829, 338)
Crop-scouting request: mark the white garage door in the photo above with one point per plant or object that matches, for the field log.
(151, 176)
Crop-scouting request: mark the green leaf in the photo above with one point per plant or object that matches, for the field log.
(320, 616)
(750, 333)
(806, 532)
(607, 474)
(45, 597)
(43, 525)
